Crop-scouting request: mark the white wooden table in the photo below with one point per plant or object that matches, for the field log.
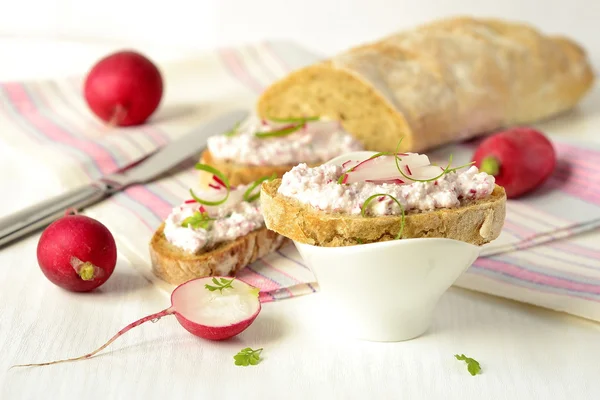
(525, 352)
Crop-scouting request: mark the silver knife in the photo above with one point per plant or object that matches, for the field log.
(40, 215)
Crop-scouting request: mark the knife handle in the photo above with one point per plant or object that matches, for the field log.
(29, 220)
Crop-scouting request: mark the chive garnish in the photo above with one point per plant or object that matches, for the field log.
(248, 196)
(370, 198)
(280, 132)
(218, 174)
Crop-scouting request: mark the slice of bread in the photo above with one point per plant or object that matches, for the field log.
(475, 221)
(239, 174)
(176, 266)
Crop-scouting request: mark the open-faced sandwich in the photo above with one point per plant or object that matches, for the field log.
(382, 197)
(217, 232)
(262, 147)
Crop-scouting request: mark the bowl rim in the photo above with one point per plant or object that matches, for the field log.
(386, 244)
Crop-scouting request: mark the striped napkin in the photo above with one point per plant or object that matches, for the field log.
(547, 254)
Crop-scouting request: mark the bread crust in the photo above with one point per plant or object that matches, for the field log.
(239, 174)
(176, 266)
(442, 82)
(476, 221)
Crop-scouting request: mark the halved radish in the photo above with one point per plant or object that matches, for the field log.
(215, 308)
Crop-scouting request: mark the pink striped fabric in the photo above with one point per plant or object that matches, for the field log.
(542, 256)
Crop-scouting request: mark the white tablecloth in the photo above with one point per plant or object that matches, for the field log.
(525, 352)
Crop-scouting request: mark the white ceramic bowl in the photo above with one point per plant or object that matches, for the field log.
(386, 291)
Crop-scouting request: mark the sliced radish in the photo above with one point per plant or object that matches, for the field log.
(394, 181)
(219, 181)
(414, 159)
(385, 168)
(215, 194)
(215, 314)
(426, 172)
(349, 164)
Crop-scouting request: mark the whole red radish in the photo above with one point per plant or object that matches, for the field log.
(77, 253)
(211, 308)
(520, 159)
(124, 88)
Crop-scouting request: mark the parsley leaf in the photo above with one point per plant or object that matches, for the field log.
(472, 365)
(197, 220)
(219, 284)
(247, 357)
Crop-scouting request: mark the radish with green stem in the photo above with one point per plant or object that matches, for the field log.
(210, 308)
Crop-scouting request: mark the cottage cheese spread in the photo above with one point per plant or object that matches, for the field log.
(315, 142)
(233, 219)
(318, 187)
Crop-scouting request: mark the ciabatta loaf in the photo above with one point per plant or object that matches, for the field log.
(441, 82)
(475, 221)
(176, 266)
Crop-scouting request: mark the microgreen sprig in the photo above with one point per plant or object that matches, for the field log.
(248, 196)
(220, 284)
(220, 175)
(472, 365)
(370, 198)
(247, 357)
(197, 220)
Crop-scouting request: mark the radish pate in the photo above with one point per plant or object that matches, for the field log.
(320, 188)
(314, 142)
(230, 220)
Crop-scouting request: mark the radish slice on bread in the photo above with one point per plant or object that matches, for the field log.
(384, 169)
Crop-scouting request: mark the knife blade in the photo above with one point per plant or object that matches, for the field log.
(31, 219)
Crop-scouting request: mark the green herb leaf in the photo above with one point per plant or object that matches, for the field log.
(369, 199)
(472, 365)
(219, 174)
(255, 291)
(247, 357)
(233, 130)
(300, 120)
(197, 220)
(248, 196)
(280, 132)
(219, 285)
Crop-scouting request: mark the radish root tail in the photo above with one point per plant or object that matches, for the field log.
(153, 317)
